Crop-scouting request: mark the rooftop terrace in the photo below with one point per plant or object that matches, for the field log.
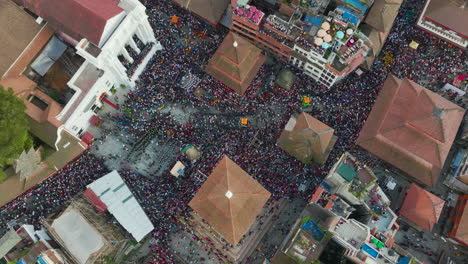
(353, 232)
(250, 13)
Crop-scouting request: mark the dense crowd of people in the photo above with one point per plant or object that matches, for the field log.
(187, 47)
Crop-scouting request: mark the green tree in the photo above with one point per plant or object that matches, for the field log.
(14, 128)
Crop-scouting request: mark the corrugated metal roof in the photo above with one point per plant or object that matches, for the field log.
(121, 203)
(347, 172)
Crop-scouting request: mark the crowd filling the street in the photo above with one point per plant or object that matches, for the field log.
(213, 122)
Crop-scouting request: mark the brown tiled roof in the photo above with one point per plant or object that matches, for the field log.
(412, 128)
(422, 207)
(17, 30)
(211, 10)
(309, 139)
(380, 18)
(31, 52)
(235, 66)
(450, 13)
(231, 217)
(77, 18)
(382, 14)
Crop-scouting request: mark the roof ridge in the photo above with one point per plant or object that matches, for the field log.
(434, 203)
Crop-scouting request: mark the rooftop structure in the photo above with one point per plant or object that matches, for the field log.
(112, 194)
(230, 200)
(350, 191)
(446, 19)
(331, 202)
(351, 232)
(8, 241)
(412, 128)
(356, 184)
(78, 235)
(40, 108)
(23, 244)
(307, 139)
(17, 32)
(326, 46)
(210, 10)
(85, 235)
(235, 63)
(308, 236)
(377, 26)
(421, 207)
(79, 19)
(459, 230)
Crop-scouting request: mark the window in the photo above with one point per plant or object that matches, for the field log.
(74, 128)
(95, 108)
(38, 102)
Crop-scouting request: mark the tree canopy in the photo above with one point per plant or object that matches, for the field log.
(14, 128)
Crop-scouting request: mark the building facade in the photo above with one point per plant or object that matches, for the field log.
(460, 221)
(447, 20)
(325, 44)
(115, 42)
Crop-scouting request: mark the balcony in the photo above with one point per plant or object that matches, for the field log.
(431, 27)
(249, 13)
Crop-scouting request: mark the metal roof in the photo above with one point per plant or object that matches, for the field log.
(120, 202)
(347, 172)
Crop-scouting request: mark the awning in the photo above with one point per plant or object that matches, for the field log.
(95, 120)
(456, 162)
(404, 260)
(94, 199)
(457, 82)
(178, 169)
(454, 89)
(51, 53)
(88, 138)
(391, 185)
(414, 45)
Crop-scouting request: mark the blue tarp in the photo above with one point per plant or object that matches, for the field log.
(21, 261)
(316, 21)
(314, 230)
(40, 260)
(404, 260)
(326, 186)
(362, 7)
(456, 162)
(307, 225)
(348, 14)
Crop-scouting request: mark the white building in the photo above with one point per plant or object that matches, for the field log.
(102, 69)
(112, 194)
(116, 42)
(328, 57)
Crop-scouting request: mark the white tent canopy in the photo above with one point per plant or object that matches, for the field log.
(178, 169)
(121, 203)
